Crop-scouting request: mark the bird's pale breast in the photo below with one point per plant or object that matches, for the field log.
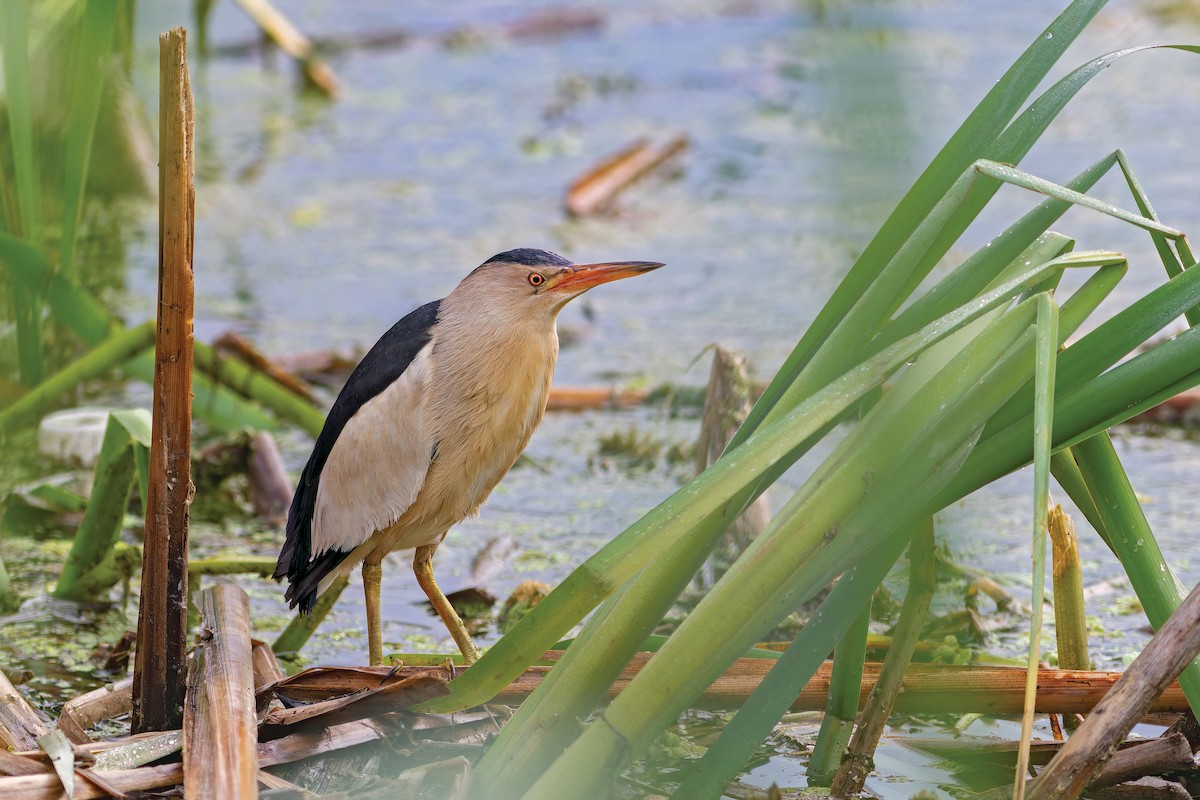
(479, 414)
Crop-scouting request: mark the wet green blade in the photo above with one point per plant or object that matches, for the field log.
(968, 143)
(1043, 436)
(89, 64)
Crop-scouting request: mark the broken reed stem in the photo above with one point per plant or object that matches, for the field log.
(293, 747)
(1175, 645)
(1139, 758)
(727, 403)
(1070, 622)
(20, 726)
(220, 733)
(162, 615)
(859, 759)
(103, 703)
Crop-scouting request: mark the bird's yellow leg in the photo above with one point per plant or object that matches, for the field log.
(423, 568)
(372, 574)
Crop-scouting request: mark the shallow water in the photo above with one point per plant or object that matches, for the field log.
(319, 224)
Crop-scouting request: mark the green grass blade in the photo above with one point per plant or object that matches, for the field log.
(1043, 436)
(845, 688)
(1021, 241)
(1109, 399)
(1012, 175)
(14, 19)
(548, 720)
(27, 301)
(1111, 341)
(89, 65)
(87, 572)
(829, 525)
(754, 720)
(967, 144)
(725, 489)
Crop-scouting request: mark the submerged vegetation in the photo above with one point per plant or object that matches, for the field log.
(913, 388)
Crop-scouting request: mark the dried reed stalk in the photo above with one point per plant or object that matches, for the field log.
(162, 615)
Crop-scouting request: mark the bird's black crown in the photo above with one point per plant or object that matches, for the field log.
(530, 257)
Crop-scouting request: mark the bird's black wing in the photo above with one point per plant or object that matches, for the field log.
(378, 370)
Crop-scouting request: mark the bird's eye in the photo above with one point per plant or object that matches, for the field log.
(536, 279)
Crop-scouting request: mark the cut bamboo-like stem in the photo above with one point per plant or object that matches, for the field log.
(116, 349)
(234, 344)
(922, 582)
(1175, 645)
(20, 726)
(90, 566)
(1070, 621)
(260, 387)
(219, 729)
(162, 617)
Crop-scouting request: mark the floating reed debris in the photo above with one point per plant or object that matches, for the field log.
(926, 688)
(291, 41)
(162, 619)
(597, 190)
(234, 345)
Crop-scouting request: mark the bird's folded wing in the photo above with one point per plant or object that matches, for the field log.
(377, 466)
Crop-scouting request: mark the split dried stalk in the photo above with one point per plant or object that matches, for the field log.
(162, 616)
(219, 727)
(266, 666)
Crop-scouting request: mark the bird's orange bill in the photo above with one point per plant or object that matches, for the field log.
(585, 276)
